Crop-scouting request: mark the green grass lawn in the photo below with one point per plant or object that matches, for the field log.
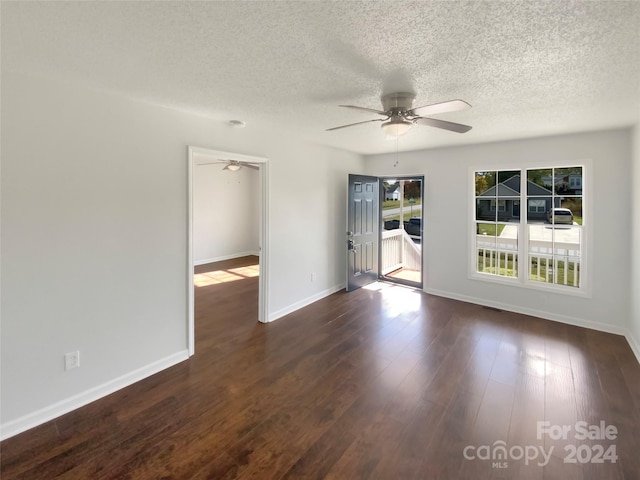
(387, 204)
(406, 215)
(509, 269)
(560, 267)
(489, 229)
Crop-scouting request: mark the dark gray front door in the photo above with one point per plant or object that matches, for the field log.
(362, 234)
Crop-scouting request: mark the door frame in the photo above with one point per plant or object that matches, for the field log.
(421, 177)
(193, 153)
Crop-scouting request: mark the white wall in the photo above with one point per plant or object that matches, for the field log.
(94, 237)
(635, 245)
(447, 223)
(308, 231)
(225, 213)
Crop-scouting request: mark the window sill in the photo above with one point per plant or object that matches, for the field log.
(531, 285)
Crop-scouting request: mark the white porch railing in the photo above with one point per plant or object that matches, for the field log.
(544, 265)
(398, 251)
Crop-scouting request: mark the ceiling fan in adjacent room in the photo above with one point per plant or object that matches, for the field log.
(232, 165)
(400, 116)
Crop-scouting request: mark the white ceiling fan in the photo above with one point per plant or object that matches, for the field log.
(400, 115)
(232, 165)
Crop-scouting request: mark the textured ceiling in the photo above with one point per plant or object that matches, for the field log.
(528, 68)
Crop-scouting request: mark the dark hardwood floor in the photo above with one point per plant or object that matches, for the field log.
(385, 383)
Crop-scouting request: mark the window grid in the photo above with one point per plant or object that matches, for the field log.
(555, 248)
(497, 216)
(552, 227)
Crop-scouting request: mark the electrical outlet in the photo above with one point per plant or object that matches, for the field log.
(72, 360)
(313, 277)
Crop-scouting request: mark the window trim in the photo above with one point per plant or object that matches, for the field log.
(522, 279)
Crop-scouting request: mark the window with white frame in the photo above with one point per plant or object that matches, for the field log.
(546, 247)
(536, 205)
(501, 205)
(496, 240)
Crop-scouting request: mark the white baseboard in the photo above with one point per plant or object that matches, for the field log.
(578, 322)
(19, 425)
(304, 302)
(634, 344)
(226, 257)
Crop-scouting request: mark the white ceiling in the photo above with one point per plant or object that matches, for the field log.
(528, 68)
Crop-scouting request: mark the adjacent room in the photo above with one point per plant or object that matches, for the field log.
(225, 205)
(317, 239)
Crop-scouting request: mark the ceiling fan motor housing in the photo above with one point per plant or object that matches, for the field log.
(397, 105)
(398, 102)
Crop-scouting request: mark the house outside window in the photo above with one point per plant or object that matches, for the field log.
(501, 205)
(543, 250)
(496, 245)
(536, 206)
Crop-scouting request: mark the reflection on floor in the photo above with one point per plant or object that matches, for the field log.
(215, 273)
(385, 382)
(224, 286)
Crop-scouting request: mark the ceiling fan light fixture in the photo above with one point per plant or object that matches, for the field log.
(396, 127)
(400, 116)
(234, 167)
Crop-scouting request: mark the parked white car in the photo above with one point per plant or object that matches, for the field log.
(560, 215)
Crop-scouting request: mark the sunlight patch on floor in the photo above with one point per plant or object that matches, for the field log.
(397, 299)
(376, 286)
(223, 276)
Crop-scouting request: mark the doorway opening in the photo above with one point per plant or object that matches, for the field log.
(225, 298)
(385, 230)
(401, 233)
(242, 259)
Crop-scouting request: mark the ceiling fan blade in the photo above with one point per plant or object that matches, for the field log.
(231, 162)
(357, 123)
(365, 109)
(432, 122)
(443, 107)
